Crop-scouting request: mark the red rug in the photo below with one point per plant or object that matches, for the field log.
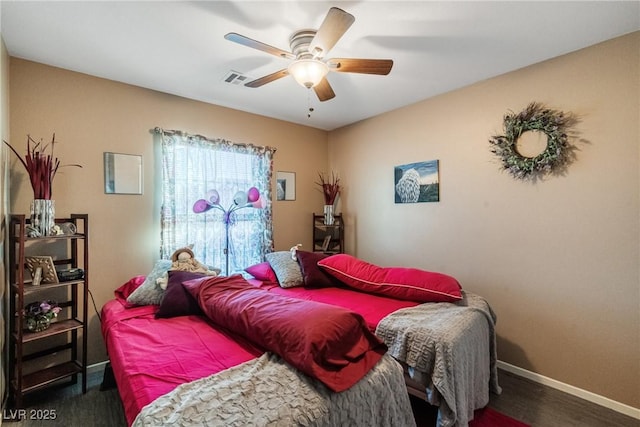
(488, 417)
(426, 416)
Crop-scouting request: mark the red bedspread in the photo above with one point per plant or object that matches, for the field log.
(150, 357)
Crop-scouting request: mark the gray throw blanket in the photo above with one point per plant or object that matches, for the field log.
(452, 344)
(268, 392)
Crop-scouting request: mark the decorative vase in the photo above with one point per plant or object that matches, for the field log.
(43, 215)
(38, 324)
(328, 215)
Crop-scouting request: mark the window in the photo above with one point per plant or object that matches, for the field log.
(193, 165)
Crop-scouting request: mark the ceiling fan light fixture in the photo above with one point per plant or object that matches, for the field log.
(308, 72)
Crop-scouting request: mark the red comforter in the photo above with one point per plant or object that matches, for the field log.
(326, 342)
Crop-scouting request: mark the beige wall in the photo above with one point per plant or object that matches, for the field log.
(558, 259)
(91, 115)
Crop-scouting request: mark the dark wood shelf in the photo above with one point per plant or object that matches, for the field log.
(328, 238)
(39, 379)
(55, 329)
(69, 348)
(60, 237)
(30, 289)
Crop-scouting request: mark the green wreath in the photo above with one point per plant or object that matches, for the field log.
(556, 156)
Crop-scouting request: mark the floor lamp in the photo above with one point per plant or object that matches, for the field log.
(242, 199)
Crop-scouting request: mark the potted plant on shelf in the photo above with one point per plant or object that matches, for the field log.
(38, 315)
(41, 168)
(330, 187)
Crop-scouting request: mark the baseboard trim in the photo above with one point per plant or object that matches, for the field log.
(569, 389)
(96, 367)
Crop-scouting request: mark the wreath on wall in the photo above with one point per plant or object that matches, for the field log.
(536, 117)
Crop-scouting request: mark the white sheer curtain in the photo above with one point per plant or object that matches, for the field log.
(191, 166)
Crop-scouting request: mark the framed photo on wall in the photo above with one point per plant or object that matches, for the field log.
(285, 185)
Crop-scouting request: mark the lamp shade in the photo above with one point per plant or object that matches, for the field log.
(240, 198)
(201, 206)
(253, 194)
(213, 197)
(261, 203)
(308, 72)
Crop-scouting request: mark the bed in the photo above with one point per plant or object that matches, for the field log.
(447, 349)
(188, 370)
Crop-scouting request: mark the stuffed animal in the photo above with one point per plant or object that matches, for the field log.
(294, 250)
(183, 259)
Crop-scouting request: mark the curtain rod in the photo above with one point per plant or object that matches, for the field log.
(171, 132)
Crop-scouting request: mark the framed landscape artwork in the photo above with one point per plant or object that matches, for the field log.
(417, 182)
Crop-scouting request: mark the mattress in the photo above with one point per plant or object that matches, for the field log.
(163, 353)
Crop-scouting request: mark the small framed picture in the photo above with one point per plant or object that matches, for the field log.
(47, 268)
(37, 277)
(325, 243)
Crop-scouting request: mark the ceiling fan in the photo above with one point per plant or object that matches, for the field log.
(308, 48)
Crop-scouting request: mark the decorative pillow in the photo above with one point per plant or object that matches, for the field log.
(123, 292)
(312, 275)
(262, 271)
(398, 282)
(150, 291)
(176, 300)
(287, 270)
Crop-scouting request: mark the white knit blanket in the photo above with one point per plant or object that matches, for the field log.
(268, 392)
(454, 346)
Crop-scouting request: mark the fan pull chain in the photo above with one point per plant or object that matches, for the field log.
(310, 108)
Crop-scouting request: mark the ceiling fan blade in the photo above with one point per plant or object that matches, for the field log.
(363, 66)
(246, 41)
(268, 78)
(324, 90)
(335, 24)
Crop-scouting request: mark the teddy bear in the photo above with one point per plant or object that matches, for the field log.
(183, 259)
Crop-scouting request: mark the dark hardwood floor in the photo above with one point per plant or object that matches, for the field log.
(521, 399)
(543, 406)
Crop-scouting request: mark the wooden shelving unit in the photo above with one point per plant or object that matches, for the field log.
(40, 359)
(328, 238)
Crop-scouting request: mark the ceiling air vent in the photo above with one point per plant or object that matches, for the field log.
(236, 78)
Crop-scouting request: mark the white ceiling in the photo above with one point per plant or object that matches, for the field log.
(178, 47)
